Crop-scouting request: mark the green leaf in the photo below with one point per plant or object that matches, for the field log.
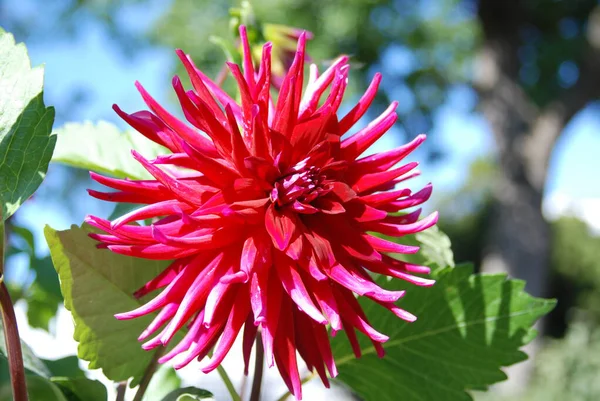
(189, 394)
(43, 295)
(97, 284)
(102, 148)
(64, 367)
(26, 143)
(81, 389)
(435, 247)
(435, 251)
(163, 382)
(41, 389)
(41, 307)
(30, 360)
(468, 327)
(25, 234)
(38, 388)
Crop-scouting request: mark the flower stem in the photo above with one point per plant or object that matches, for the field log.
(230, 387)
(13, 345)
(148, 373)
(258, 369)
(222, 76)
(121, 389)
(11, 332)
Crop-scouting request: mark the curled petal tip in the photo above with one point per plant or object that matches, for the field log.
(123, 316)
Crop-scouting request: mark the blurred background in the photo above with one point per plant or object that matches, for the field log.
(506, 90)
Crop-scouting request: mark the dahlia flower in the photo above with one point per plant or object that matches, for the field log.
(268, 218)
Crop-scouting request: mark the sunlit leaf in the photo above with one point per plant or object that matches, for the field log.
(102, 148)
(26, 143)
(81, 389)
(163, 382)
(189, 394)
(468, 328)
(97, 284)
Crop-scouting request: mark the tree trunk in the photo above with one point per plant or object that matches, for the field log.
(518, 239)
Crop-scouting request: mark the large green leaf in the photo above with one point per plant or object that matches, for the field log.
(64, 367)
(81, 389)
(96, 284)
(163, 382)
(104, 149)
(41, 389)
(38, 388)
(468, 327)
(62, 380)
(26, 143)
(189, 394)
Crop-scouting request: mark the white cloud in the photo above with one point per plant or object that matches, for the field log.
(559, 204)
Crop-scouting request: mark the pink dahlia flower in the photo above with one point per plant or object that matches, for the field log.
(268, 218)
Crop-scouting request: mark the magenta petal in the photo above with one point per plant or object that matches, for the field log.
(280, 227)
(294, 286)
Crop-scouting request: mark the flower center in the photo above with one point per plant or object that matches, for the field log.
(303, 186)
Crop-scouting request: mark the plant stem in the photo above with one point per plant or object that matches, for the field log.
(13, 343)
(310, 376)
(242, 392)
(258, 369)
(121, 389)
(222, 76)
(230, 387)
(148, 373)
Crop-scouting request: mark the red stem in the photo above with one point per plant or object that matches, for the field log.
(13, 345)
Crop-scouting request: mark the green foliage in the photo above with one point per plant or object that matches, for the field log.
(26, 143)
(97, 284)
(164, 381)
(60, 380)
(554, 33)
(32, 363)
(189, 394)
(64, 367)
(436, 48)
(41, 389)
(57, 389)
(81, 389)
(575, 254)
(435, 248)
(43, 294)
(565, 369)
(102, 148)
(469, 327)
